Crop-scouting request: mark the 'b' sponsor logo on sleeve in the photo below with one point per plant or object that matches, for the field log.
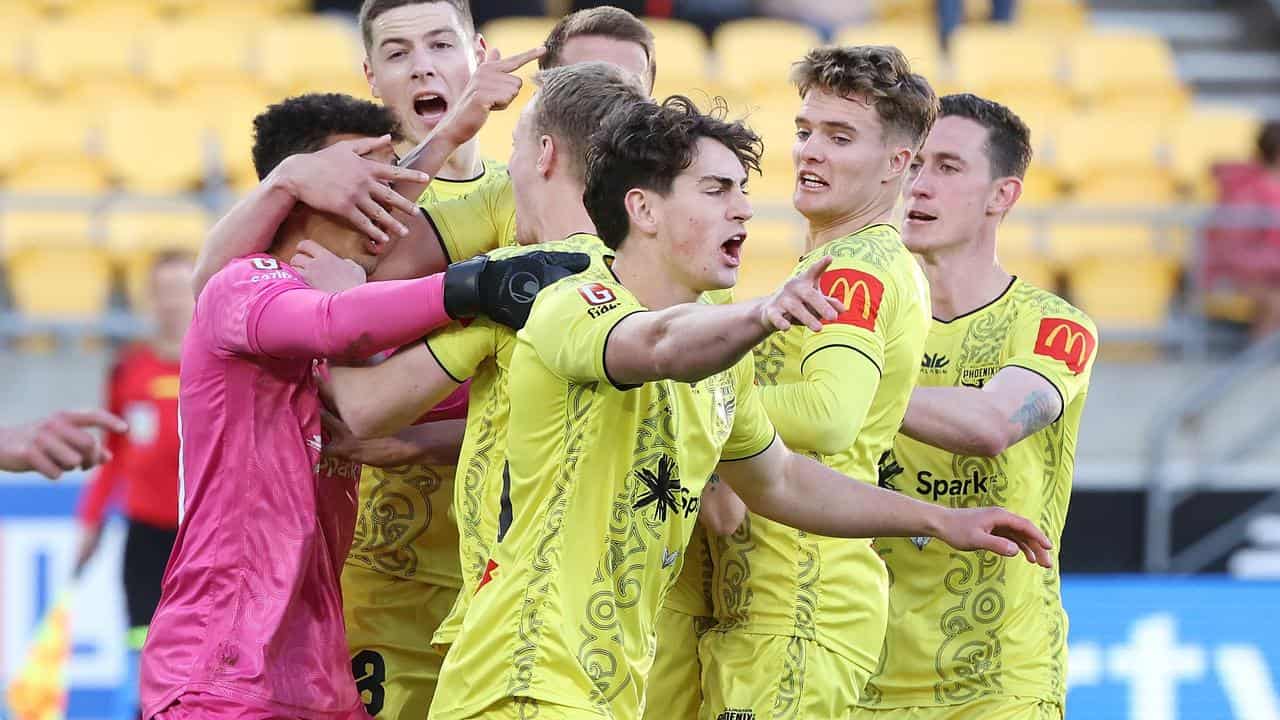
(1065, 340)
(859, 292)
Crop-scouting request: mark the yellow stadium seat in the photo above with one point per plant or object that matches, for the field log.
(108, 93)
(1205, 137)
(23, 229)
(153, 149)
(65, 54)
(113, 11)
(1125, 70)
(681, 49)
(248, 9)
(52, 141)
(1074, 241)
(234, 131)
(190, 53)
(1000, 61)
(775, 123)
(1131, 293)
(133, 237)
(60, 283)
(1114, 158)
(917, 40)
(311, 52)
(754, 55)
(1019, 249)
(60, 177)
(1055, 15)
(15, 48)
(904, 10)
(773, 246)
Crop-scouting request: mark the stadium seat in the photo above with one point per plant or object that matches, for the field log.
(754, 55)
(1125, 70)
(247, 9)
(1074, 241)
(112, 11)
(24, 229)
(310, 53)
(903, 10)
(917, 40)
(1055, 15)
(1022, 254)
(1125, 292)
(1207, 136)
(133, 237)
(1114, 158)
(81, 289)
(234, 132)
(66, 54)
(189, 54)
(15, 47)
(681, 48)
(1009, 63)
(775, 123)
(46, 144)
(512, 35)
(154, 149)
(773, 246)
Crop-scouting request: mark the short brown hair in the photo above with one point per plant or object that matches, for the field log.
(605, 21)
(880, 74)
(371, 9)
(573, 101)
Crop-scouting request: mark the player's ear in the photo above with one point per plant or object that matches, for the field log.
(899, 163)
(1006, 192)
(481, 48)
(548, 155)
(369, 77)
(640, 211)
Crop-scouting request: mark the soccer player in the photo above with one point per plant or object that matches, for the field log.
(250, 619)
(58, 443)
(801, 617)
(993, 422)
(626, 395)
(144, 465)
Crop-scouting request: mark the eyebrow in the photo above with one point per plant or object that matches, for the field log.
(429, 34)
(722, 180)
(828, 124)
(948, 156)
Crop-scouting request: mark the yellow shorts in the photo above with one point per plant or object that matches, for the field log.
(675, 682)
(530, 709)
(389, 624)
(777, 677)
(988, 708)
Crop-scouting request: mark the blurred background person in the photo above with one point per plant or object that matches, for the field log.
(143, 469)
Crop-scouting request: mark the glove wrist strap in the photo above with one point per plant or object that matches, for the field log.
(462, 287)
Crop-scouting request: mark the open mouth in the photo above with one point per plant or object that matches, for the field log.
(732, 249)
(811, 181)
(920, 216)
(430, 106)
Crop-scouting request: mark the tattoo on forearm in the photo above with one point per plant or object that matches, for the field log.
(1036, 412)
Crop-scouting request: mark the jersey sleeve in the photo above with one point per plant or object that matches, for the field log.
(752, 432)
(570, 324)
(475, 223)
(867, 296)
(460, 349)
(1058, 346)
(236, 295)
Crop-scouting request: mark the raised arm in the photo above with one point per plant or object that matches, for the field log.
(805, 494)
(692, 341)
(337, 179)
(985, 422)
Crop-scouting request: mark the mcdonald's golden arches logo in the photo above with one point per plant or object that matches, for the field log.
(1066, 340)
(860, 292)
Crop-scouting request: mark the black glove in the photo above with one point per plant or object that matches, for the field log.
(505, 289)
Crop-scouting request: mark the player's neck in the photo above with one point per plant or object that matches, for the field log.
(464, 164)
(639, 266)
(558, 220)
(821, 232)
(964, 279)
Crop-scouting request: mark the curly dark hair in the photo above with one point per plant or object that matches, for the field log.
(302, 124)
(880, 74)
(646, 146)
(1008, 143)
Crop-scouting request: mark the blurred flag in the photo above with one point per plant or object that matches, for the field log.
(39, 690)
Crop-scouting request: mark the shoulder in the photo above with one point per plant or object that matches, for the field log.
(247, 277)
(1033, 303)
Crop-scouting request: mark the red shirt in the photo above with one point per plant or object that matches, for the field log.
(144, 391)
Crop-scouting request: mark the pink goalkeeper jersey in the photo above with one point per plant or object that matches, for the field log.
(251, 610)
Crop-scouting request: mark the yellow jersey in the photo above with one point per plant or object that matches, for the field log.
(475, 222)
(482, 352)
(600, 496)
(404, 526)
(969, 625)
(773, 579)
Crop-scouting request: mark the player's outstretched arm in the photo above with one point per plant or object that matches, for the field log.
(983, 422)
(824, 412)
(693, 341)
(58, 443)
(720, 510)
(385, 399)
(337, 179)
(805, 494)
